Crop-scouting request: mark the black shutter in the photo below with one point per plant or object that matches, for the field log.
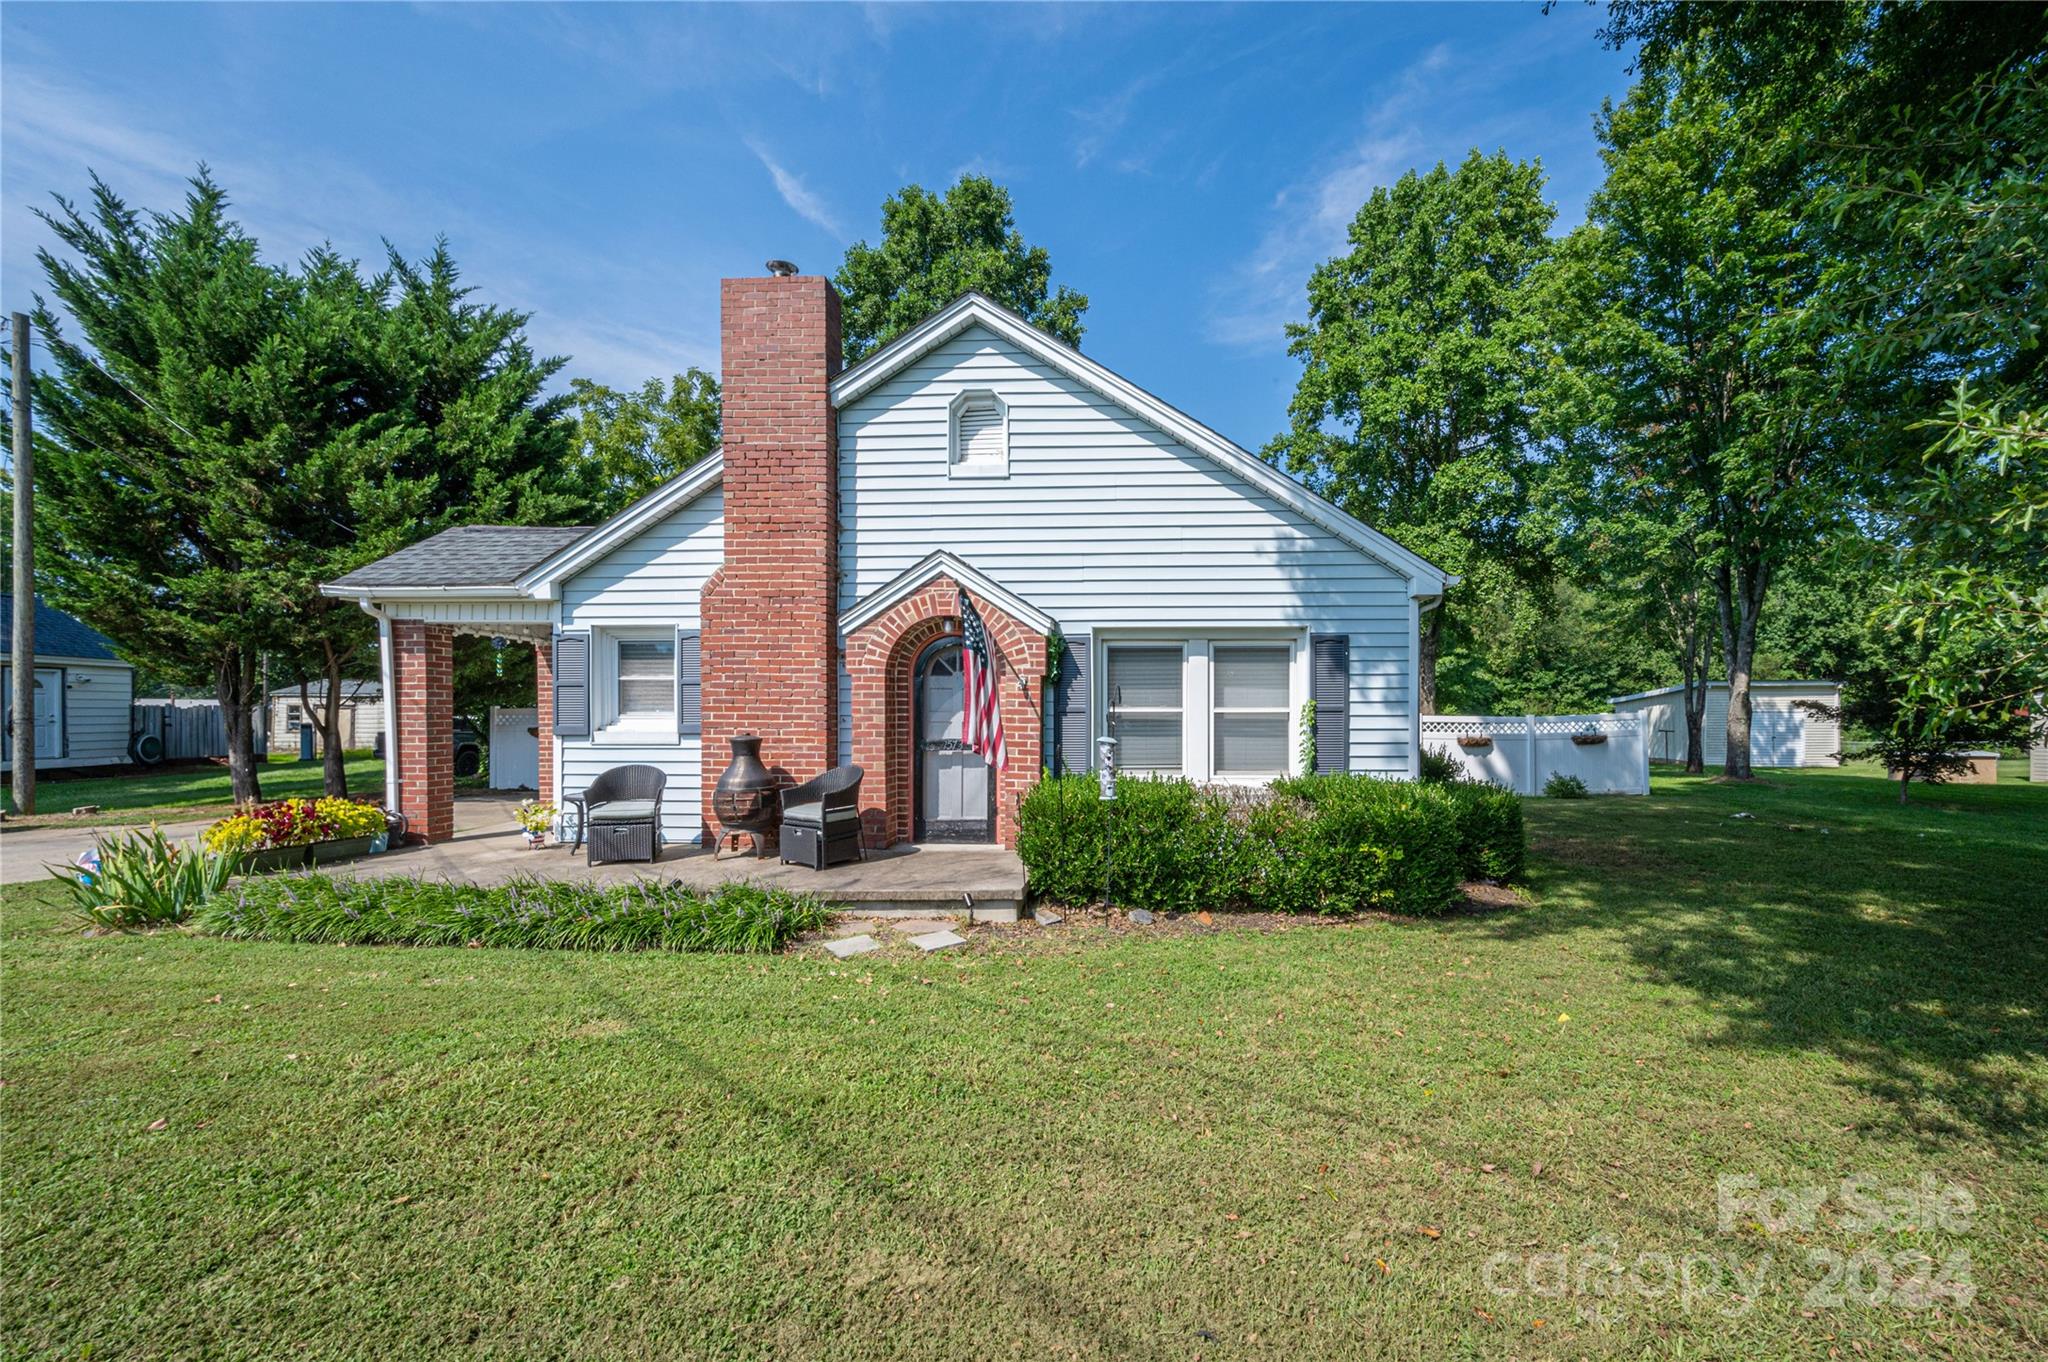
(1076, 747)
(572, 685)
(689, 685)
(1330, 686)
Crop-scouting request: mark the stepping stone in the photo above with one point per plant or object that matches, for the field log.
(1048, 919)
(852, 945)
(938, 941)
(856, 927)
(1142, 917)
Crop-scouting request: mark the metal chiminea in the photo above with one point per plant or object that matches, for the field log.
(744, 799)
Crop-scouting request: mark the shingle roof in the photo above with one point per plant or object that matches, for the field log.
(57, 634)
(469, 555)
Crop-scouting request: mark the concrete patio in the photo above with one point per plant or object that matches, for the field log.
(915, 881)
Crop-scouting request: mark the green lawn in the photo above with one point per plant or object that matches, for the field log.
(1316, 1142)
(191, 791)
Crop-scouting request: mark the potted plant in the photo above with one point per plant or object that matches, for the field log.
(1474, 740)
(1592, 737)
(536, 816)
(287, 833)
(344, 829)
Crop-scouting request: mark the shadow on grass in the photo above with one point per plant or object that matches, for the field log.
(1910, 943)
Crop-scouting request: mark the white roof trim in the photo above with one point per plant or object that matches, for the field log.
(505, 592)
(66, 660)
(677, 492)
(944, 564)
(1723, 685)
(972, 309)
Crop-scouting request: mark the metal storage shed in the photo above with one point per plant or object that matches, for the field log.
(1780, 733)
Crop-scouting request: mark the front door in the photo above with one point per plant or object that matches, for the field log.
(955, 797)
(49, 702)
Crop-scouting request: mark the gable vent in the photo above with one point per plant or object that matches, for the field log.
(980, 435)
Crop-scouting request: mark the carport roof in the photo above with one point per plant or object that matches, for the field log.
(466, 556)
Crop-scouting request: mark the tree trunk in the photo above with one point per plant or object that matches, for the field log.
(333, 768)
(234, 685)
(1426, 646)
(1905, 779)
(1695, 667)
(1741, 600)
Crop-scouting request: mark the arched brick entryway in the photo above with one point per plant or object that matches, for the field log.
(881, 656)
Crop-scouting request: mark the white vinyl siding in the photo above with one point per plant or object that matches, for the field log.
(1106, 524)
(94, 709)
(647, 587)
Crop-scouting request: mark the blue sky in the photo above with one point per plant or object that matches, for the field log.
(603, 166)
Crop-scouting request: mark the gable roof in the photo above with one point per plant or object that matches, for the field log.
(944, 564)
(57, 634)
(974, 309)
(468, 556)
(540, 576)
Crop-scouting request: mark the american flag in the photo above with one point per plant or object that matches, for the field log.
(982, 721)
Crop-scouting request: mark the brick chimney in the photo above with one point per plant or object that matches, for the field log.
(770, 613)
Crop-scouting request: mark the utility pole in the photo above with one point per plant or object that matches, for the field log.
(24, 641)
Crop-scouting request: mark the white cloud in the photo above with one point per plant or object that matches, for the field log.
(801, 199)
(1311, 217)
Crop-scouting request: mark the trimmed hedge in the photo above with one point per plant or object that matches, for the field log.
(1336, 844)
(532, 913)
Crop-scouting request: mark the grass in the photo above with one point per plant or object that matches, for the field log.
(1308, 1142)
(185, 791)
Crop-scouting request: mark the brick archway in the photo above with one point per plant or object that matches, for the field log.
(881, 657)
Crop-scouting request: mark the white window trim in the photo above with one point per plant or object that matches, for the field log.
(657, 728)
(1198, 711)
(958, 467)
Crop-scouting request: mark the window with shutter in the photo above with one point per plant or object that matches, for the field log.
(572, 685)
(980, 436)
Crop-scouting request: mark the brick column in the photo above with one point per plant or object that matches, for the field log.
(423, 674)
(544, 722)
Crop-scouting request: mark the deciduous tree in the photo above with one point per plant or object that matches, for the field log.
(936, 247)
(1414, 408)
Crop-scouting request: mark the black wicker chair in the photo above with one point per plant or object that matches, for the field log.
(821, 820)
(620, 813)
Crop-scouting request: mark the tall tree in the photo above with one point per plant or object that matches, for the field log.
(1920, 131)
(1689, 273)
(638, 440)
(935, 248)
(1414, 408)
(226, 434)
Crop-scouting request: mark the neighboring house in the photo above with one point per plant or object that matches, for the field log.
(804, 584)
(2037, 754)
(1780, 733)
(83, 691)
(362, 715)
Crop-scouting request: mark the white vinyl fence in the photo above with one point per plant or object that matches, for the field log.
(1610, 752)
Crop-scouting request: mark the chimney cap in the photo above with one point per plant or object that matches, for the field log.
(781, 269)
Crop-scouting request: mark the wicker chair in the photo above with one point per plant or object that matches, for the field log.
(621, 814)
(821, 820)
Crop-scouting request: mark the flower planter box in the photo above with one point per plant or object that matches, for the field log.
(1588, 739)
(276, 858)
(1475, 742)
(340, 849)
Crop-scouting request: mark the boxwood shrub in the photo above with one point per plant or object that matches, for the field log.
(1316, 844)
